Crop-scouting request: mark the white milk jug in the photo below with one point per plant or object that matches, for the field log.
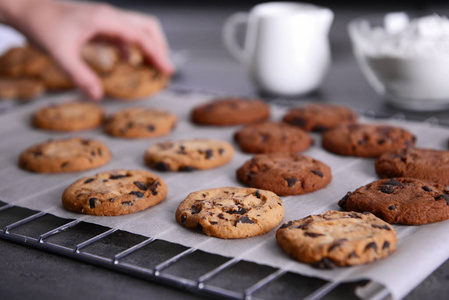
(286, 49)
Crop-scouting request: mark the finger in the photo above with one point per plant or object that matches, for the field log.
(82, 75)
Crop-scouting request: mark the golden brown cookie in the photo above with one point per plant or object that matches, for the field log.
(128, 82)
(24, 61)
(231, 212)
(400, 201)
(23, 89)
(366, 140)
(320, 116)
(285, 173)
(189, 155)
(231, 111)
(337, 239)
(115, 193)
(425, 164)
(272, 137)
(55, 79)
(140, 123)
(69, 116)
(67, 155)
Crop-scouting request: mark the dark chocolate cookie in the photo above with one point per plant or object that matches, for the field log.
(400, 201)
(272, 137)
(320, 117)
(230, 111)
(285, 173)
(366, 140)
(425, 164)
(337, 239)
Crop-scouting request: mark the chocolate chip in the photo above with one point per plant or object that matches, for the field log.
(204, 195)
(240, 211)
(117, 176)
(288, 224)
(199, 226)
(221, 216)
(290, 181)
(342, 202)
(150, 128)
(380, 142)
(325, 263)
(64, 164)
(85, 142)
(112, 200)
(140, 185)
(386, 245)
(196, 208)
(427, 188)
(387, 189)
(213, 223)
(182, 150)
(183, 218)
(187, 169)
(279, 203)
(371, 245)
(127, 203)
(257, 194)
(394, 182)
(354, 216)
(105, 180)
(336, 244)
(313, 234)
(221, 151)
(137, 194)
(352, 254)
(209, 153)
(161, 166)
(362, 141)
(302, 226)
(93, 153)
(245, 220)
(153, 187)
(392, 207)
(443, 196)
(92, 202)
(319, 173)
(89, 180)
(386, 227)
(264, 137)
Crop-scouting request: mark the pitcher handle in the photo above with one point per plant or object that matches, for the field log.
(229, 34)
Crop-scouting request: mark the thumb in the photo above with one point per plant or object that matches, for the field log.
(81, 74)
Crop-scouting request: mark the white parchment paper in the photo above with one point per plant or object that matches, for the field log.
(421, 249)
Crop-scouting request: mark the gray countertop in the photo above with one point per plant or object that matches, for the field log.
(195, 34)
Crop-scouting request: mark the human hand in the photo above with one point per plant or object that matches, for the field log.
(62, 28)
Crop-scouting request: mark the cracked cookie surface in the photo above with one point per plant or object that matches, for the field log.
(189, 155)
(114, 193)
(366, 140)
(400, 201)
(65, 155)
(285, 173)
(140, 123)
(337, 239)
(231, 212)
(272, 137)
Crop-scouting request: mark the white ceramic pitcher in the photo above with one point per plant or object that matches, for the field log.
(286, 49)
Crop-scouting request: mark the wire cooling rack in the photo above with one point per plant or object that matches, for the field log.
(160, 261)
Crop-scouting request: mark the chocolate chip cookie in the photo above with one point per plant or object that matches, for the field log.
(366, 140)
(337, 239)
(231, 212)
(140, 123)
(114, 193)
(66, 155)
(425, 164)
(272, 137)
(189, 155)
(320, 117)
(69, 116)
(23, 62)
(400, 201)
(23, 89)
(231, 111)
(128, 82)
(285, 173)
